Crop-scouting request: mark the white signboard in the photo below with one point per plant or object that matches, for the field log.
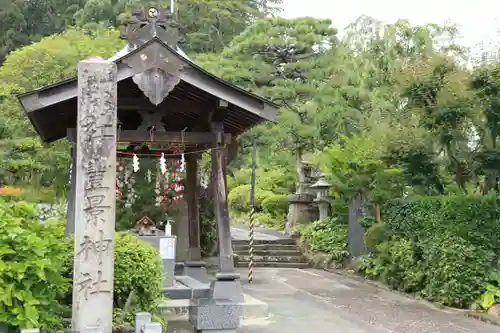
(167, 247)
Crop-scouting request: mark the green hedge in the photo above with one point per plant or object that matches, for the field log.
(239, 198)
(442, 248)
(475, 218)
(138, 268)
(30, 268)
(328, 237)
(276, 205)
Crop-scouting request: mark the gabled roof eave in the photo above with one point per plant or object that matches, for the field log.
(192, 74)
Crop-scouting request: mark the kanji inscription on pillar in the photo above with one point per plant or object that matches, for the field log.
(95, 199)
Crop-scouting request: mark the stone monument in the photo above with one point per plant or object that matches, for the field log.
(95, 208)
(301, 209)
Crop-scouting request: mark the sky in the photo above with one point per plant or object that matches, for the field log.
(478, 20)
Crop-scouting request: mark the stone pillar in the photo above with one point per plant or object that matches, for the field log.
(194, 267)
(96, 199)
(356, 232)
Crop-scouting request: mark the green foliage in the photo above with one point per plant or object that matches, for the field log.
(443, 248)
(23, 159)
(144, 198)
(269, 220)
(356, 166)
(375, 235)
(491, 295)
(239, 198)
(54, 58)
(471, 217)
(208, 230)
(396, 264)
(138, 268)
(329, 237)
(276, 205)
(456, 270)
(30, 268)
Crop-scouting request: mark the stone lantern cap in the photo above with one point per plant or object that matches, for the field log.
(321, 183)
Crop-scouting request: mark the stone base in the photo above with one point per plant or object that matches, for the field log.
(179, 268)
(186, 287)
(197, 270)
(168, 271)
(208, 315)
(227, 287)
(178, 310)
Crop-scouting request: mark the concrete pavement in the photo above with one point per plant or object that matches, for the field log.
(303, 301)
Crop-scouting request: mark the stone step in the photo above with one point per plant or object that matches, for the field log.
(274, 253)
(246, 258)
(274, 264)
(265, 247)
(178, 310)
(280, 241)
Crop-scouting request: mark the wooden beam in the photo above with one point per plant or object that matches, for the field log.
(220, 111)
(187, 138)
(133, 104)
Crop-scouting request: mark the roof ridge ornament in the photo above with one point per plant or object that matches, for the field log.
(149, 22)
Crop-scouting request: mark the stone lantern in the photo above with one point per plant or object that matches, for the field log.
(322, 199)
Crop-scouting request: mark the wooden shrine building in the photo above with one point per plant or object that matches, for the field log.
(164, 99)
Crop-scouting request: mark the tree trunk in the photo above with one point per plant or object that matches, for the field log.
(300, 171)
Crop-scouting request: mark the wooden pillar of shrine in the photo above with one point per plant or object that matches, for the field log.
(194, 266)
(227, 285)
(70, 210)
(220, 199)
(192, 194)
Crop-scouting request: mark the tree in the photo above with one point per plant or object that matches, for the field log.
(208, 25)
(24, 159)
(280, 59)
(25, 22)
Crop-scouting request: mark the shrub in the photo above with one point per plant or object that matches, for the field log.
(472, 217)
(491, 294)
(208, 229)
(375, 235)
(239, 198)
(276, 205)
(442, 247)
(265, 219)
(456, 270)
(328, 237)
(30, 268)
(138, 268)
(395, 263)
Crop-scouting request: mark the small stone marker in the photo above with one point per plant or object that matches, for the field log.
(95, 202)
(31, 330)
(141, 319)
(167, 254)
